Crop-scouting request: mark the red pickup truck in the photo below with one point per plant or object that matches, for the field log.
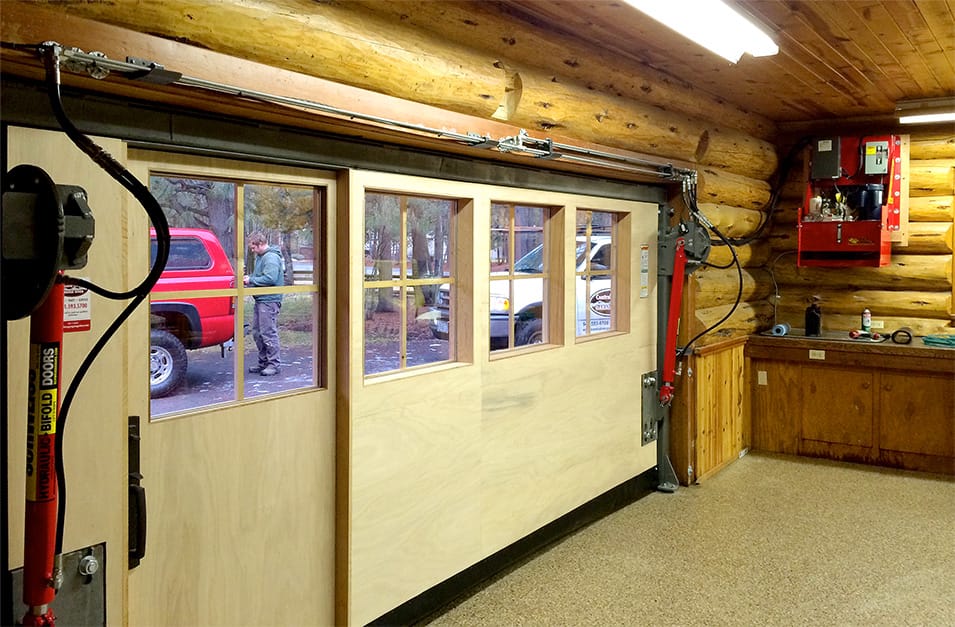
(196, 262)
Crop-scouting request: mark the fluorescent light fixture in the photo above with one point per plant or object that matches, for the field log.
(926, 110)
(927, 118)
(711, 23)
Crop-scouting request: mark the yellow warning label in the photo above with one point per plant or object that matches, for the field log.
(869, 149)
(41, 421)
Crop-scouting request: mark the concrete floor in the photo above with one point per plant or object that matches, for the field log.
(770, 540)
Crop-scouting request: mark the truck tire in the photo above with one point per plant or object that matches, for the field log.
(530, 332)
(167, 363)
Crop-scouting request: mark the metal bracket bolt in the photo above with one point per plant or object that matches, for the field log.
(89, 565)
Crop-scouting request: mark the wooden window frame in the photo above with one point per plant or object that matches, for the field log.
(551, 305)
(403, 282)
(242, 174)
(619, 272)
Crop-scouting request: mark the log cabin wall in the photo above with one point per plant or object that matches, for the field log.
(914, 290)
(498, 72)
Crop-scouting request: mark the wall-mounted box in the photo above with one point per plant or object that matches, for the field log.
(826, 159)
(852, 203)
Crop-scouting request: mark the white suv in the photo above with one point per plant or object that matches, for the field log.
(528, 297)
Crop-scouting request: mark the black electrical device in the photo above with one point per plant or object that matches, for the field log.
(826, 158)
(46, 228)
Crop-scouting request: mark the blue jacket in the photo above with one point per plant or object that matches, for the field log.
(268, 272)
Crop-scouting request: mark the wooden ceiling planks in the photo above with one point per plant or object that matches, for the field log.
(838, 58)
(809, 35)
(870, 53)
(885, 21)
(939, 17)
(925, 22)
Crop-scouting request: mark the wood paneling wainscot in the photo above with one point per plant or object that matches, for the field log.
(710, 423)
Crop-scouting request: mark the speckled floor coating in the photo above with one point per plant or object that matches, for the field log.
(770, 540)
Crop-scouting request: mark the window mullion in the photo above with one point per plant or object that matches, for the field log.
(239, 337)
(402, 276)
(420, 231)
(587, 287)
(206, 306)
(511, 236)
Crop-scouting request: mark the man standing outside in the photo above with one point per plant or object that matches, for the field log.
(267, 272)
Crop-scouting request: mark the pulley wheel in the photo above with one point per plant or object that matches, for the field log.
(33, 233)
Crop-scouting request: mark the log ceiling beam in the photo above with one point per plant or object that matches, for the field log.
(345, 44)
(492, 26)
(26, 23)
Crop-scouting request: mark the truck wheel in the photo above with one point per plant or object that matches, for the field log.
(167, 363)
(531, 332)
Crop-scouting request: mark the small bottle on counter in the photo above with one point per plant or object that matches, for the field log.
(813, 320)
(866, 320)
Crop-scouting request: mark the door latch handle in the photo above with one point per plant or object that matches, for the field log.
(137, 498)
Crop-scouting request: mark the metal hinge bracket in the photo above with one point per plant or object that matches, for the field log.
(651, 409)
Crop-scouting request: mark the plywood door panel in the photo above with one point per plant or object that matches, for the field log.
(837, 406)
(241, 499)
(95, 439)
(453, 463)
(551, 443)
(917, 413)
(240, 517)
(415, 485)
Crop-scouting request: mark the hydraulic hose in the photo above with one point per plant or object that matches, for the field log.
(50, 54)
(689, 198)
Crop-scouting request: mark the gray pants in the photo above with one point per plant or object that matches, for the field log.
(265, 332)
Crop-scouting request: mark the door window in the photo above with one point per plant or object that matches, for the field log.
(409, 282)
(596, 272)
(235, 313)
(519, 276)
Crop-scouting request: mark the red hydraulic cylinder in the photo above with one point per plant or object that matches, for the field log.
(43, 405)
(673, 322)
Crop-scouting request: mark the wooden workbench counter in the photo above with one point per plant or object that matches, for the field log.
(870, 402)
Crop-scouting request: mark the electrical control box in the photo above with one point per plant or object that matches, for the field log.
(852, 202)
(875, 157)
(826, 159)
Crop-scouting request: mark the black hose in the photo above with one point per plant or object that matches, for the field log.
(770, 208)
(690, 200)
(138, 294)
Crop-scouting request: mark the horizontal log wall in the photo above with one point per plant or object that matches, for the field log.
(914, 290)
(383, 51)
(434, 53)
(479, 24)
